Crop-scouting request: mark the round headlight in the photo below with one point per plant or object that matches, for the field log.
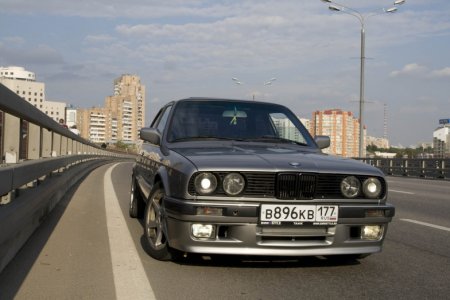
(372, 187)
(233, 184)
(350, 187)
(205, 183)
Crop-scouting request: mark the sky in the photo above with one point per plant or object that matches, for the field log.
(186, 48)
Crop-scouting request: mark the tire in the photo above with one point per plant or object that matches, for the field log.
(155, 239)
(136, 209)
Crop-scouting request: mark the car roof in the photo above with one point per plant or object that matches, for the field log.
(213, 99)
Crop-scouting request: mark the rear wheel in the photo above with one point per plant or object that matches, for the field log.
(136, 209)
(154, 227)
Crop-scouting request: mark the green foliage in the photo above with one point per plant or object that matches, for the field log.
(402, 152)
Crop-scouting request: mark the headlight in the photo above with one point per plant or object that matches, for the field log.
(350, 187)
(233, 184)
(205, 183)
(372, 187)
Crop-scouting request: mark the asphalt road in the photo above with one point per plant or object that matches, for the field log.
(87, 249)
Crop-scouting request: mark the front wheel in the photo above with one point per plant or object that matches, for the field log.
(136, 209)
(154, 235)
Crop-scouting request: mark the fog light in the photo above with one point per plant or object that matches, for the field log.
(371, 232)
(202, 230)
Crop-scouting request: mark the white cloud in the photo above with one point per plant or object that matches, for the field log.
(445, 72)
(14, 40)
(101, 38)
(410, 70)
(418, 70)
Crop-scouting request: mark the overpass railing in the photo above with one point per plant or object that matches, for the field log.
(40, 162)
(431, 168)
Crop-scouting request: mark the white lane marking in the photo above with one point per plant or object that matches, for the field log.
(401, 192)
(427, 224)
(130, 279)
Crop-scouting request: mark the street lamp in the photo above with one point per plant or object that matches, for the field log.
(268, 82)
(362, 18)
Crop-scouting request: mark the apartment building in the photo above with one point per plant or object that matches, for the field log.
(341, 127)
(122, 116)
(127, 107)
(379, 142)
(441, 139)
(92, 123)
(24, 84)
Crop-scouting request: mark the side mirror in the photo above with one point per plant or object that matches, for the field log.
(322, 141)
(151, 135)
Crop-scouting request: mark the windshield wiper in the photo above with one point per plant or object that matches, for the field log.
(276, 139)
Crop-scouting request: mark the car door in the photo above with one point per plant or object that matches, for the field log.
(152, 156)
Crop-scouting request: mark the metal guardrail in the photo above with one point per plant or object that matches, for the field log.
(33, 145)
(40, 162)
(431, 168)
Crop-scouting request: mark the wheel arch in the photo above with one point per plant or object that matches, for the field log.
(162, 177)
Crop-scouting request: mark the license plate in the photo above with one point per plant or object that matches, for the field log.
(276, 214)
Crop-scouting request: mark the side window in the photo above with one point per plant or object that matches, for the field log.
(161, 123)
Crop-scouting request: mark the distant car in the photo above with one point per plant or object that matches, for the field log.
(246, 178)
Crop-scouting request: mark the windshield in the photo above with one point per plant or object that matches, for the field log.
(234, 120)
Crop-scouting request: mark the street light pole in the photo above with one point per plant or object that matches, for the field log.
(361, 91)
(238, 82)
(353, 12)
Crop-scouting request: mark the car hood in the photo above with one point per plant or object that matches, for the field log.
(272, 158)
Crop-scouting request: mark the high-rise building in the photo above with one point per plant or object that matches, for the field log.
(24, 84)
(379, 142)
(122, 116)
(92, 123)
(341, 127)
(127, 108)
(306, 123)
(441, 139)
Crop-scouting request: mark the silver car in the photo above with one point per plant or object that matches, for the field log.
(221, 176)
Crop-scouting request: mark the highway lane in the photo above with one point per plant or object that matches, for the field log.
(72, 256)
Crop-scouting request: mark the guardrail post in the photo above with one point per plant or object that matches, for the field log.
(63, 145)
(56, 148)
(34, 141)
(442, 172)
(46, 143)
(422, 168)
(12, 138)
(391, 162)
(69, 146)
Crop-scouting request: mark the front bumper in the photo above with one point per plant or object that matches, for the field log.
(237, 230)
